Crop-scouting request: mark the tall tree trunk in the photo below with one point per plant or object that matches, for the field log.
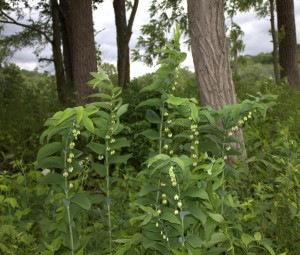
(124, 32)
(57, 55)
(275, 44)
(288, 42)
(210, 55)
(82, 47)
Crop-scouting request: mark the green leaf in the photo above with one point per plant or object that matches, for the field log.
(1, 198)
(176, 100)
(246, 239)
(179, 162)
(216, 217)
(120, 143)
(151, 102)
(194, 241)
(66, 114)
(117, 159)
(194, 112)
(150, 134)
(207, 114)
(124, 249)
(51, 162)
(217, 238)
(99, 169)
(152, 117)
(267, 244)
(82, 200)
(156, 158)
(198, 213)
(56, 243)
(79, 113)
(146, 219)
(170, 217)
(12, 201)
(122, 110)
(257, 236)
(147, 189)
(197, 192)
(88, 123)
(49, 149)
(97, 148)
(236, 110)
(52, 178)
(102, 95)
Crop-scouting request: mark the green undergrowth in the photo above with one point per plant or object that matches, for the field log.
(155, 173)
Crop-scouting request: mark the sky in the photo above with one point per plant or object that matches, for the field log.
(256, 37)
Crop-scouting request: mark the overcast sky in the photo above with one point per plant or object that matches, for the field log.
(257, 38)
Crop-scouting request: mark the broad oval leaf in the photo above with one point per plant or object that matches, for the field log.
(52, 178)
(82, 200)
(216, 217)
(49, 149)
(170, 217)
(150, 134)
(194, 241)
(79, 113)
(153, 117)
(51, 162)
(117, 159)
(123, 108)
(88, 123)
(97, 147)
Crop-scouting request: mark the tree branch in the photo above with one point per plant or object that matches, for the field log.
(31, 27)
(46, 60)
(131, 19)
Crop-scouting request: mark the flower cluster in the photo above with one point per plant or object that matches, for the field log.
(245, 118)
(172, 176)
(75, 133)
(168, 134)
(195, 141)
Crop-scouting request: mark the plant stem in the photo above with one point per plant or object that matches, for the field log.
(69, 222)
(67, 197)
(108, 198)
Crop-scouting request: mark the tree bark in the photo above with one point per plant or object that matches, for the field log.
(211, 57)
(275, 44)
(124, 32)
(82, 47)
(210, 52)
(57, 54)
(288, 42)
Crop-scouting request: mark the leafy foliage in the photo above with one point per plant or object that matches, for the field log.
(156, 176)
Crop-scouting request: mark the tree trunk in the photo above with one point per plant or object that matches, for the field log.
(210, 52)
(210, 55)
(124, 32)
(82, 47)
(288, 42)
(275, 44)
(65, 32)
(57, 55)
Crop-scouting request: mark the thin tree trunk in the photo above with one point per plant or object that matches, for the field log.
(210, 54)
(288, 51)
(275, 44)
(57, 55)
(65, 31)
(124, 33)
